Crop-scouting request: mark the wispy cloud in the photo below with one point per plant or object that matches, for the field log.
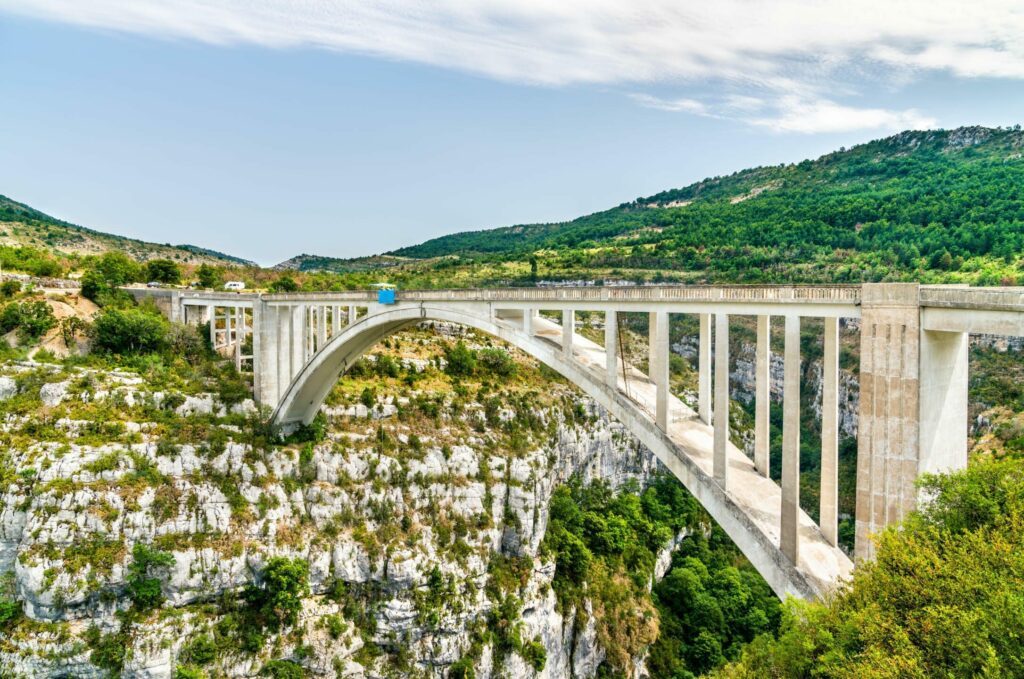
(784, 54)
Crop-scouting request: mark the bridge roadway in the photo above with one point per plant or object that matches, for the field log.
(912, 379)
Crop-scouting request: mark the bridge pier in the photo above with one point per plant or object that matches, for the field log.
(789, 530)
(762, 395)
(704, 369)
(611, 347)
(721, 417)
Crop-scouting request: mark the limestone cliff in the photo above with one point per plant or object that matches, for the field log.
(405, 507)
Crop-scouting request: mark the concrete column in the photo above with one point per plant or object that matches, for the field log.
(659, 370)
(335, 320)
(704, 370)
(762, 395)
(568, 328)
(257, 345)
(308, 329)
(528, 321)
(351, 314)
(239, 336)
(611, 347)
(943, 401)
(888, 428)
(321, 337)
(211, 313)
(283, 325)
(829, 515)
(652, 343)
(790, 528)
(721, 428)
(298, 340)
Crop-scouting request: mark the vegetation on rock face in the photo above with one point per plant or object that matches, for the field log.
(144, 588)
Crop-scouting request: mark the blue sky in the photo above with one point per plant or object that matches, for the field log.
(345, 130)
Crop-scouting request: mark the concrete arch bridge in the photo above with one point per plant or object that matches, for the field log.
(913, 385)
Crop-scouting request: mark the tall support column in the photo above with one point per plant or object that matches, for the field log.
(211, 313)
(704, 370)
(309, 330)
(335, 320)
(790, 528)
(239, 336)
(568, 328)
(829, 515)
(259, 341)
(283, 325)
(721, 436)
(888, 428)
(762, 395)
(528, 321)
(943, 401)
(298, 340)
(652, 343)
(351, 314)
(659, 368)
(611, 347)
(321, 328)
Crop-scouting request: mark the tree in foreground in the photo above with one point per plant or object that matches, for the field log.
(944, 596)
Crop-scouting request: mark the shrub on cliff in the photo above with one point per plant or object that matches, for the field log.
(144, 587)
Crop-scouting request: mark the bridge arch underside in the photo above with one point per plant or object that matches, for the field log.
(820, 566)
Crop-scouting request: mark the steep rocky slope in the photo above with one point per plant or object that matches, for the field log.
(419, 504)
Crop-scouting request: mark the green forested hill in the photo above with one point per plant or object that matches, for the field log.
(933, 205)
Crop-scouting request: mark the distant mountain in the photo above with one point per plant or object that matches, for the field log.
(336, 264)
(960, 191)
(22, 225)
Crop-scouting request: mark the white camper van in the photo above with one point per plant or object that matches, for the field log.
(234, 285)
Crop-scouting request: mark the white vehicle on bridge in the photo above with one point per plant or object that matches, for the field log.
(234, 285)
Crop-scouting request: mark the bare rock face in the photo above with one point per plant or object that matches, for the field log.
(386, 522)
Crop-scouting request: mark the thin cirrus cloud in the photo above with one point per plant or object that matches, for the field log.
(779, 64)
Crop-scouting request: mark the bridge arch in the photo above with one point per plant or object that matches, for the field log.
(816, 571)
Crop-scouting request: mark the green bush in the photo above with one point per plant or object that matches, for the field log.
(462, 669)
(10, 288)
(188, 672)
(108, 651)
(497, 361)
(461, 360)
(106, 273)
(200, 651)
(144, 588)
(31, 319)
(130, 331)
(163, 271)
(208, 276)
(283, 669)
(277, 600)
(284, 284)
(535, 655)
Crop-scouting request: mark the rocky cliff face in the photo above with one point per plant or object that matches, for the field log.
(405, 512)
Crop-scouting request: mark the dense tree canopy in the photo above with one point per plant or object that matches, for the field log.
(943, 598)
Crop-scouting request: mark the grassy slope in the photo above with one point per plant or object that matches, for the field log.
(21, 225)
